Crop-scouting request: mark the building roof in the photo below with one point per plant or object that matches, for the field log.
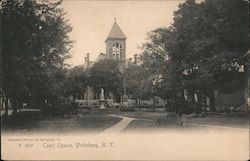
(116, 32)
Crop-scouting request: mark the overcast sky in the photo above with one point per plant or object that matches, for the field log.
(92, 22)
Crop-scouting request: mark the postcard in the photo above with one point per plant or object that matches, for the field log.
(125, 80)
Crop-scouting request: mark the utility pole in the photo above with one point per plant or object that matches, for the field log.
(124, 97)
(87, 64)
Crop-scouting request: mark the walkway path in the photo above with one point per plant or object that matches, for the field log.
(120, 126)
(215, 126)
(219, 122)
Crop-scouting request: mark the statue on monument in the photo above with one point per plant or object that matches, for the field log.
(102, 94)
(102, 99)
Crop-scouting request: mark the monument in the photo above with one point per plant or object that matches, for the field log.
(102, 100)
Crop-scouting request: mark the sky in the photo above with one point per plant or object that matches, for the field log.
(93, 20)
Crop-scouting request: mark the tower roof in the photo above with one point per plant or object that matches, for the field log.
(116, 32)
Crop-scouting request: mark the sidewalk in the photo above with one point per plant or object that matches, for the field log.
(120, 126)
(219, 121)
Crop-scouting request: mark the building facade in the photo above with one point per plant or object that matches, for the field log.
(115, 49)
(116, 46)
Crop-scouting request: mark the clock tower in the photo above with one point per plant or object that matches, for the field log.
(116, 46)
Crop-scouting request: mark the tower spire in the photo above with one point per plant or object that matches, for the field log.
(115, 32)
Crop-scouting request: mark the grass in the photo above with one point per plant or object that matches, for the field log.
(140, 125)
(150, 126)
(163, 120)
(23, 120)
(144, 115)
(98, 122)
(93, 120)
(153, 121)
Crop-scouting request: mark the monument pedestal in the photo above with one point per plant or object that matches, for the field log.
(102, 104)
(102, 100)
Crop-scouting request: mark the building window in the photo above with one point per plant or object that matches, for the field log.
(117, 50)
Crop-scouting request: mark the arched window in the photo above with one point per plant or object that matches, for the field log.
(117, 50)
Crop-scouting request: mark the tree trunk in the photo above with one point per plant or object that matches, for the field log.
(199, 102)
(174, 101)
(212, 102)
(2, 102)
(205, 105)
(6, 107)
(165, 104)
(14, 107)
(20, 106)
(139, 104)
(154, 103)
(6, 111)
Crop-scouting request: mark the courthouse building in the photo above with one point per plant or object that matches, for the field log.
(115, 49)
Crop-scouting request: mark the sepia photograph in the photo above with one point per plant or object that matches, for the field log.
(125, 80)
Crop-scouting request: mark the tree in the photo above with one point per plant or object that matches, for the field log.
(205, 34)
(76, 82)
(35, 44)
(200, 51)
(154, 60)
(105, 74)
(138, 84)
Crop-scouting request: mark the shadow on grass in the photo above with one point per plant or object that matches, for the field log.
(152, 121)
(23, 120)
(97, 119)
(35, 121)
(144, 115)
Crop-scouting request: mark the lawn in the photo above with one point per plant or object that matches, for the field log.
(152, 121)
(87, 120)
(144, 115)
(24, 120)
(141, 126)
(163, 120)
(96, 120)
